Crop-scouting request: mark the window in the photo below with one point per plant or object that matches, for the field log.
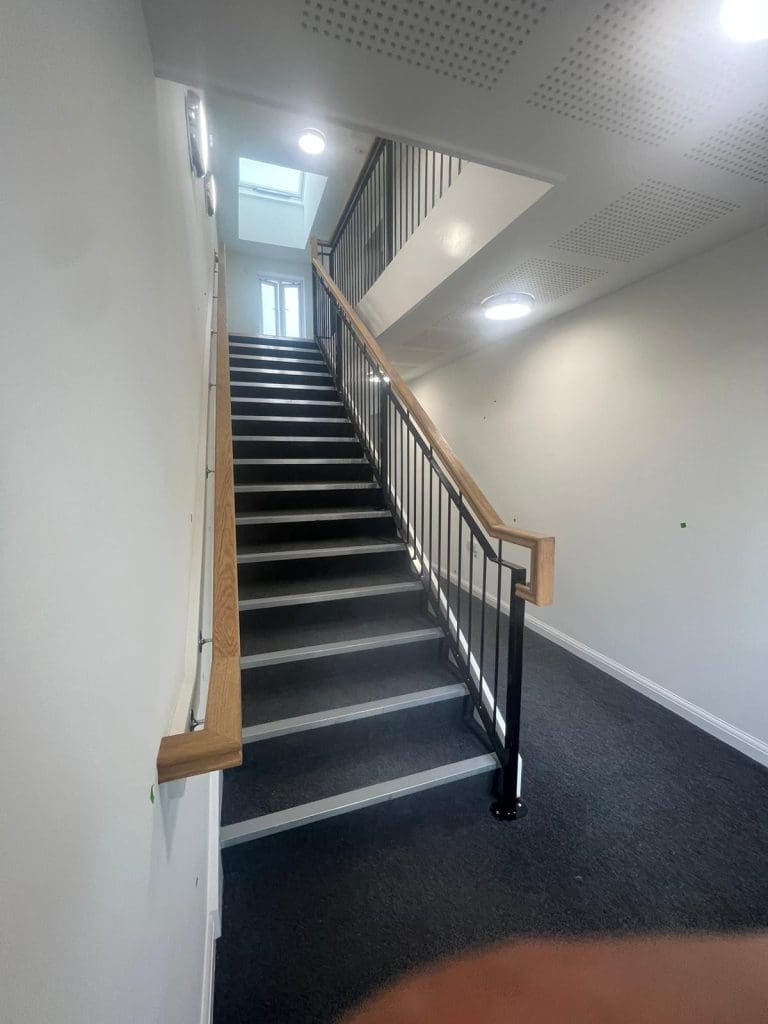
(281, 307)
(270, 181)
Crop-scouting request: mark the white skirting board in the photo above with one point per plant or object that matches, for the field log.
(214, 883)
(742, 741)
(730, 734)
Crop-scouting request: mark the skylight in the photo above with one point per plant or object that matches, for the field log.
(271, 181)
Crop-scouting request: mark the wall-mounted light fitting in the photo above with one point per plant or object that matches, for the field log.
(197, 133)
(312, 141)
(209, 188)
(744, 21)
(508, 306)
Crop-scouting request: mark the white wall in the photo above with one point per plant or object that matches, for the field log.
(609, 427)
(243, 293)
(106, 280)
(480, 204)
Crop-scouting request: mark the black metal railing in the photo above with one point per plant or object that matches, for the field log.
(395, 191)
(471, 586)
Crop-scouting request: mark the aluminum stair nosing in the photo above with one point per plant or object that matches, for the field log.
(353, 712)
(323, 596)
(356, 799)
(333, 647)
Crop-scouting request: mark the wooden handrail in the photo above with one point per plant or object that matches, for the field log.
(218, 744)
(539, 589)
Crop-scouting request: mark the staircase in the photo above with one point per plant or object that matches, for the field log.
(349, 695)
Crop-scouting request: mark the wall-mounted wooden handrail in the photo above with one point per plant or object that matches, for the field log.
(218, 744)
(540, 586)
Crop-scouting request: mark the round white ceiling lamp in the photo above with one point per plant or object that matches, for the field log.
(312, 141)
(209, 188)
(744, 21)
(508, 306)
(197, 133)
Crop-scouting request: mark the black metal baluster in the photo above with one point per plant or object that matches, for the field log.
(423, 527)
(459, 582)
(470, 592)
(483, 605)
(498, 625)
(439, 544)
(509, 806)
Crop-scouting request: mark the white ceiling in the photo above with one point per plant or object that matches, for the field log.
(652, 127)
(242, 127)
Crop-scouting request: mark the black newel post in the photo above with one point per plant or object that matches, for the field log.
(509, 806)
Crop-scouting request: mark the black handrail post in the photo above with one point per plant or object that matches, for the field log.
(337, 336)
(384, 436)
(389, 202)
(509, 806)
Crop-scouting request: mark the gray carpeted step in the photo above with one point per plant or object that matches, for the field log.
(278, 691)
(303, 767)
(274, 636)
(340, 576)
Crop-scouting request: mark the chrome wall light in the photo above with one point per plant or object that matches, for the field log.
(197, 133)
(508, 306)
(209, 188)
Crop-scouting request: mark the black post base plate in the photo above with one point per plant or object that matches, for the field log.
(508, 812)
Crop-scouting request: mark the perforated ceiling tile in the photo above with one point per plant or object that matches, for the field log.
(547, 280)
(643, 69)
(470, 42)
(741, 147)
(650, 216)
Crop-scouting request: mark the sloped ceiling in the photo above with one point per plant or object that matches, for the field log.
(651, 125)
(242, 127)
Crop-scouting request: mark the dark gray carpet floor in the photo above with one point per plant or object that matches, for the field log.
(637, 821)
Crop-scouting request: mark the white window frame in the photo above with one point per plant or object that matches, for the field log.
(280, 281)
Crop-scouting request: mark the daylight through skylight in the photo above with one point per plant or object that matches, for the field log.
(271, 180)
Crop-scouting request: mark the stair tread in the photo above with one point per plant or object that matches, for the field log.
(308, 485)
(280, 773)
(290, 632)
(317, 548)
(343, 578)
(338, 684)
(366, 797)
(300, 514)
(294, 439)
(329, 717)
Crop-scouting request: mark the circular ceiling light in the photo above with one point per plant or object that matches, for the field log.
(744, 21)
(312, 141)
(197, 133)
(508, 306)
(209, 188)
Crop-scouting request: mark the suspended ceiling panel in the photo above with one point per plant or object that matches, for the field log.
(472, 43)
(651, 127)
(647, 218)
(739, 148)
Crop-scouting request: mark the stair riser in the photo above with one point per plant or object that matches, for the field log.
(261, 623)
(312, 473)
(304, 673)
(337, 498)
(314, 391)
(287, 409)
(258, 449)
(289, 378)
(320, 568)
(355, 745)
(380, 818)
(286, 393)
(276, 361)
(299, 533)
(291, 426)
(282, 344)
